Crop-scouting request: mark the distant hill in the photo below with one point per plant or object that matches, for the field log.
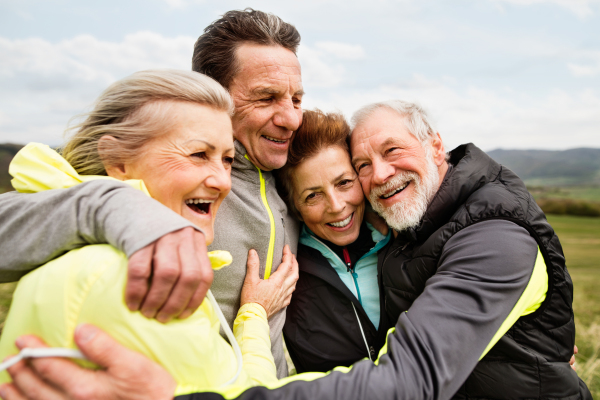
(7, 152)
(574, 167)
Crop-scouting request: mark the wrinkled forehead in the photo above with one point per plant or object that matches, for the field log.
(379, 129)
(262, 66)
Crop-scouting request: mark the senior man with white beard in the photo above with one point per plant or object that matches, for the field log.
(475, 279)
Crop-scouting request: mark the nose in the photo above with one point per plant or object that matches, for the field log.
(219, 179)
(336, 204)
(382, 171)
(287, 116)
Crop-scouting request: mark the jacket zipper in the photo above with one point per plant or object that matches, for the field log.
(351, 271)
(263, 195)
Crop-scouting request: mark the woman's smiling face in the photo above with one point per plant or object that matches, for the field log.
(188, 168)
(328, 196)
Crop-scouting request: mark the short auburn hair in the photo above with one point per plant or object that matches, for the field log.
(319, 131)
(214, 51)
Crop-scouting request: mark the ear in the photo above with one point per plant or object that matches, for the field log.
(105, 145)
(438, 149)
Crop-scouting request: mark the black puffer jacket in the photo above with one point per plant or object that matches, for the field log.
(532, 359)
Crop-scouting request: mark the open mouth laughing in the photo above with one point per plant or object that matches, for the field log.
(200, 206)
(274, 140)
(394, 192)
(343, 223)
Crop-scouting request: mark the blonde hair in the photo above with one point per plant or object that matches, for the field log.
(134, 111)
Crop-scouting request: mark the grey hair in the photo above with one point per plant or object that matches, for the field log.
(215, 50)
(135, 110)
(416, 119)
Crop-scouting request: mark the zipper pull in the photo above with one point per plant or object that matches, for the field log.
(347, 260)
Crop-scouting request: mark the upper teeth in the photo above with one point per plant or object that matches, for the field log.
(343, 223)
(196, 201)
(275, 140)
(393, 192)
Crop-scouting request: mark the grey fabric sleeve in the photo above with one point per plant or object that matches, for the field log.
(37, 227)
(483, 271)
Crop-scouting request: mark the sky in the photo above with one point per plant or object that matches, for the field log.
(512, 74)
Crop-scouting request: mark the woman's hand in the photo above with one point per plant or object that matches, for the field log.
(274, 293)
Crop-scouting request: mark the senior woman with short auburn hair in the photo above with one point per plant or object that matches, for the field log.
(334, 317)
(168, 134)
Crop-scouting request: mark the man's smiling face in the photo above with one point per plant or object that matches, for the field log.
(398, 174)
(267, 93)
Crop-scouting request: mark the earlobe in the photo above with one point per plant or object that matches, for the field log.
(106, 144)
(439, 151)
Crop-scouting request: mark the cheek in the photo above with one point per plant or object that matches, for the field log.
(356, 196)
(364, 185)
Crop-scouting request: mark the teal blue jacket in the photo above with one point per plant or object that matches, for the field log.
(362, 280)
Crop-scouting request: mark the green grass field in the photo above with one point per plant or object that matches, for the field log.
(589, 193)
(580, 238)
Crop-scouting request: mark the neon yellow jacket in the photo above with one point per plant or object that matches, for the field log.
(87, 285)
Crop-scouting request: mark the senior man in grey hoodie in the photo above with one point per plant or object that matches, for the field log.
(253, 55)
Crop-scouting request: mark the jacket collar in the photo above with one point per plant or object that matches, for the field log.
(472, 169)
(243, 168)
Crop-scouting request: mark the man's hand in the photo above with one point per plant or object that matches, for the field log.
(274, 293)
(572, 360)
(170, 277)
(126, 374)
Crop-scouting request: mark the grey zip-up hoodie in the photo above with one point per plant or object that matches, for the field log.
(243, 223)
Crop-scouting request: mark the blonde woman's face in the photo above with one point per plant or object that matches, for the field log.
(188, 169)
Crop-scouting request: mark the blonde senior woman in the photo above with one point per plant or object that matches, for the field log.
(168, 134)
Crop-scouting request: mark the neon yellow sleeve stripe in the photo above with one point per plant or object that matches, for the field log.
(263, 195)
(531, 299)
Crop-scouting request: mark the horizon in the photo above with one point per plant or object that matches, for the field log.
(519, 74)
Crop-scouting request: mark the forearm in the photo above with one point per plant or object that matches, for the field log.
(438, 342)
(38, 227)
(251, 330)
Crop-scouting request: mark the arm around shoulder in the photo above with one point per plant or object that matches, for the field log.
(38, 227)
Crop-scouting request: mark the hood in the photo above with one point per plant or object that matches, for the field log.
(36, 167)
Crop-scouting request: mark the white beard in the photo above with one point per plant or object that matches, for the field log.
(409, 212)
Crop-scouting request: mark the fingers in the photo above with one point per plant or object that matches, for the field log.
(575, 349)
(285, 267)
(252, 266)
(138, 275)
(56, 374)
(205, 279)
(25, 380)
(186, 283)
(100, 348)
(10, 392)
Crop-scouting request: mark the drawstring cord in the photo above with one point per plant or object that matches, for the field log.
(229, 333)
(40, 353)
(73, 353)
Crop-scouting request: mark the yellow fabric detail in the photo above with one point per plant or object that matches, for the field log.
(219, 259)
(36, 167)
(87, 285)
(263, 195)
(532, 297)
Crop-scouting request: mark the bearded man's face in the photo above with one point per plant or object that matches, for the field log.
(398, 174)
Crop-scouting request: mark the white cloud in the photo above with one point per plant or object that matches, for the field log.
(581, 8)
(342, 51)
(318, 70)
(506, 118)
(588, 64)
(44, 84)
